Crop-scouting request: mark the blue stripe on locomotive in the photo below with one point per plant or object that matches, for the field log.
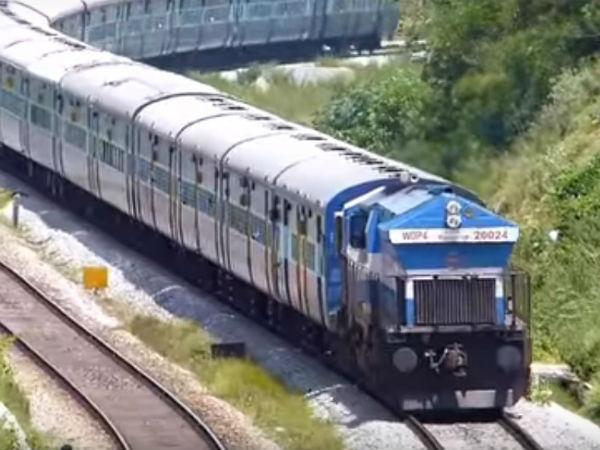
(333, 264)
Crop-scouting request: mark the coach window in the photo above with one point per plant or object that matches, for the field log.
(25, 86)
(187, 186)
(10, 80)
(41, 105)
(188, 166)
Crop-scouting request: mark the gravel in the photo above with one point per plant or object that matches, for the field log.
(480, 436)
(53, 411)
(363, 423)
(556, 428)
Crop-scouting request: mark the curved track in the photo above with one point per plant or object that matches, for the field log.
(135, 410)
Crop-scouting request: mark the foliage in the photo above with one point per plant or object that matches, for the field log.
(8, 438)
(540, 392)
(387, 112)
(552, 182)
(592, 408)
(285, 415)
(491, 68)
(494, 62)
(16, 401)
(413, 19)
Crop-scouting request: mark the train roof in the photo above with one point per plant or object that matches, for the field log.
(172, 115)
(13, 33)
(51, 10)
(301, 160)
(25, 53)
(125, 87)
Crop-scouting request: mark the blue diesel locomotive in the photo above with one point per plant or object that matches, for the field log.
(399, 277)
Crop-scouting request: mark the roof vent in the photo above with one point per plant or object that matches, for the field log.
(328, 147)
(281, 126)
(257, 117)
(216, 99)
(309, 137)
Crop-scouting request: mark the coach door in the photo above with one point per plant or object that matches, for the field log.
(222, 219)
(273, 243)
(94, 154)
(280, 250)
(57, 156)
(174, 194)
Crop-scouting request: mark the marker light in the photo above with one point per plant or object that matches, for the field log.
(453, 208)
(454, 221)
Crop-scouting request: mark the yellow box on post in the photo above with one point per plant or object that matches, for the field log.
(95, 277)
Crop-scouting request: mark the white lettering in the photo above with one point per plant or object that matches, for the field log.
(446, 235)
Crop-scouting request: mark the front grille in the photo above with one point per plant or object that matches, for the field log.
(455, 302)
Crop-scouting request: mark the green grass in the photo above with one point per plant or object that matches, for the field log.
(285, 416)
(284, 98)
(8, 440)
(565, 398)
(5, 197)
(298, 104)
(16, 401)
(569, 400)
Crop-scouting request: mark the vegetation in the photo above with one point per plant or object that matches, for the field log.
(287, 417)
(551, 181)
(298, 103)
(5, 197)
(14, 399)
(491, 68)
(272, 89)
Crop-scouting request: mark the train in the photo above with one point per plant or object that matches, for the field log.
(153, 28)
(398, 277)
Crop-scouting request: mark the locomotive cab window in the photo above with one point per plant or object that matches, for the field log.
(357, 227)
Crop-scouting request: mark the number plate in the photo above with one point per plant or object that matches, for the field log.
(446, 235)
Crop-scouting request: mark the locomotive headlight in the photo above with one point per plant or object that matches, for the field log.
(453, 221)
(453, 208)
(453, 217)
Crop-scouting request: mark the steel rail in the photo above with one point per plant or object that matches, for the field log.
(81, 397)
(183, 410)
(424, 435)
(518, 433)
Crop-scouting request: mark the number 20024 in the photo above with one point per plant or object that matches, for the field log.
(491, 235)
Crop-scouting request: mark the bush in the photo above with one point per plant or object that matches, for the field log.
(389, 112)
(592, 407)
(552, 182)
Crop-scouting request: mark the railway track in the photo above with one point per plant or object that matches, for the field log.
(136, 411)
(518, 433)
(509, 425)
